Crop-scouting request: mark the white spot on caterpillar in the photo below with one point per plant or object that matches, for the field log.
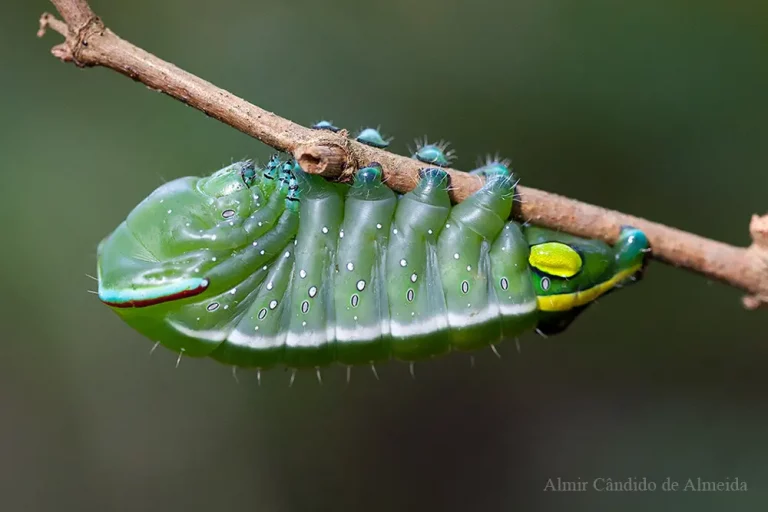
(262, 313)
(231, 223)
(378, 226)
(256, 328)
(414, 277)
(325, 230)
(312, 292)
(456, 256)
(545, 283)
(413, 313)
(355, 300)
(187, 224)
(234, 291)
(227, 213)
(447, 225)
(197, 270)
(287, 254)
(226, 306)
(213, 237)
(264, 267)
(273, 304)
(305, 307)
(429, 231)
(409, 295)
(302, 273)
(355, 318)
(255, 244)
(403, 263)
(350, 266)
(261, 223)
(469, 268)
(269, 285)
(261, 252)
(303, 324)
(361, 285)
(213, 306)
(341, 234)
(464, 287)
(504, 283)
(213, 259)
(170, 211)
(394, 231)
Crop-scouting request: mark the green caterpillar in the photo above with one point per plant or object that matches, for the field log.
(263, 267)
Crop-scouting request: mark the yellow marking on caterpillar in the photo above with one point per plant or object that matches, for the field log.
(566, 301)
(556, 259)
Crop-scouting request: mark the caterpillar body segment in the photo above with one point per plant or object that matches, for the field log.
(359, 279)
(418, 311)
(259, 267)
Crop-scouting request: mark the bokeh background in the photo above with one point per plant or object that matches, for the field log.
(657, 108)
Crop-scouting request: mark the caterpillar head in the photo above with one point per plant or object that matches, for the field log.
(228, 190)
(229, 180)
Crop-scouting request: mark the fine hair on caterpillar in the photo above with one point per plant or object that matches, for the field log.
(270, 266)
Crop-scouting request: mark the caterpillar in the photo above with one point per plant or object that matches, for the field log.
(266, 266)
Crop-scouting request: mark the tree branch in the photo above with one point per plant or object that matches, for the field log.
(88, 42)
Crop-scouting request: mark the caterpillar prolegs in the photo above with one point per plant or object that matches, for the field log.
(263, 267)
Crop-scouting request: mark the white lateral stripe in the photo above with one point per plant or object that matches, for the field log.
(306, 339)
(370, 333)
(519, 309)
(358, 334)
(207, 335)
(255, 342)
(468, 320)
(428, 326)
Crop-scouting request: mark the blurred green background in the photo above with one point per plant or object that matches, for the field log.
(656, 108)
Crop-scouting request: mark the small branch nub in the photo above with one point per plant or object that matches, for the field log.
(326, 159)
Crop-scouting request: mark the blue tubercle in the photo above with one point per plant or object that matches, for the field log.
(372, 137)
(493, 167)
(434, 154)
(325, 125)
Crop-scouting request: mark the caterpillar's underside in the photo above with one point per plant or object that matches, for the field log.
(260, 267)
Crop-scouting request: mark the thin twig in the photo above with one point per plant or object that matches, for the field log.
(89, 43)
